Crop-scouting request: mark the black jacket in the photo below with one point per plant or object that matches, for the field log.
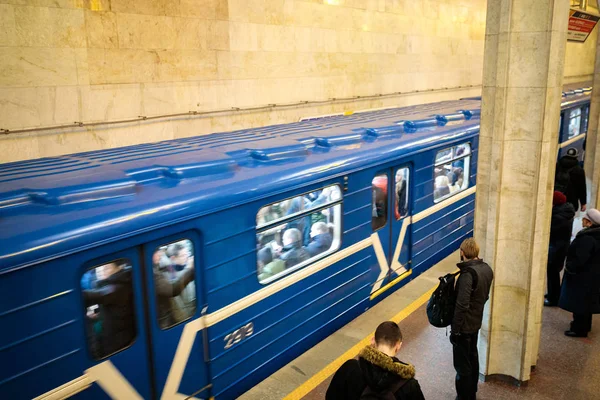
(115, 296)
(576, 190)
(294, 254)
(562, 224)
(580, 292)
(468, 312)
(379, 372)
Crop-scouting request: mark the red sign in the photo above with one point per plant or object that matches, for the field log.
(581, 24)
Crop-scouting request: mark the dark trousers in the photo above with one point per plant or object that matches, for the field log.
(466, 364)
(556, 262)
(582, 323)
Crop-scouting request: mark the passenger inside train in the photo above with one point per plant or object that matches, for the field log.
(110, 318)
(173, 272)
(296, 230)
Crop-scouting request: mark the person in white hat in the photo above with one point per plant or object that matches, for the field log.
(580, 292)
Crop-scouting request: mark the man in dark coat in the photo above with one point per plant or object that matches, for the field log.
(321, 239)
(115, 296)
(471, 296)
(570, 179)
(377, 372)
(581, 283)
(560, 237)
(292, 252)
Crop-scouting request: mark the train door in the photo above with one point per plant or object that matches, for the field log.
(115, 326)
(175, 303)
(391, 222)
(400, 221)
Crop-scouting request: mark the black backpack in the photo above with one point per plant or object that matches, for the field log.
(562, 179)
(387, 394)
(440, 309)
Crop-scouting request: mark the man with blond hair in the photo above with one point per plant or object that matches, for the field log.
(472, 291)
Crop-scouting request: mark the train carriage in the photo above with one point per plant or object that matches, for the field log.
(199, 266)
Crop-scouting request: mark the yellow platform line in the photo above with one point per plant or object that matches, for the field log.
(392, 283)
(330, 369)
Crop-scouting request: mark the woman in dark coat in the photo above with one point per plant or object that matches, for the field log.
(581, 283)
(560, 238)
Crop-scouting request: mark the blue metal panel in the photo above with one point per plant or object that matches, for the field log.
(288, 318)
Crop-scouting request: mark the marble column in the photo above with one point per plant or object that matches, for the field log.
(592, 151)
(522, 84)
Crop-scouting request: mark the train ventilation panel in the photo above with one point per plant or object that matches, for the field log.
(391, 131)
(413, 126)
(470, 114)
(184, 166)
(72, 187)
(345, 138)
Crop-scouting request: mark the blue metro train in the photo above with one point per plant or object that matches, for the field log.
(195, 268)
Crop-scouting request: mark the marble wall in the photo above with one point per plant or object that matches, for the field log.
(101, 60)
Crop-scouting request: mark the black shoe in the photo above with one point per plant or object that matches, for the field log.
(549, 303)
(575, 334)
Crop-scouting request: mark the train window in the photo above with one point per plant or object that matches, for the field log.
(297, 231)
(402, 193)
(173, 272)
(574, 123)
(109, 313)
(451, 173)
(379, 214)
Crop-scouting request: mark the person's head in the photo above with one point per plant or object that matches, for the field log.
(558, 199)
(469, 249)
(265, 256)
(106, 270)
(318, 228)
(591, 218)
(292, 236)
(572, 152)
(178, 254)
(388, 338)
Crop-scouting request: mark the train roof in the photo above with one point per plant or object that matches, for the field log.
(52, 206)
(576, 93)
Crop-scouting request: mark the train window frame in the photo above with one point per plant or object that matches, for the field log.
(91, 266)
(335, 206)
(466, 169)
(386, 174)
(193, 255)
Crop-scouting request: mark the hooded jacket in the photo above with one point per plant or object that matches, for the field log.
(470, 300)
(580, 292)
(379, 372)
(115, 296)
(576, 190)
